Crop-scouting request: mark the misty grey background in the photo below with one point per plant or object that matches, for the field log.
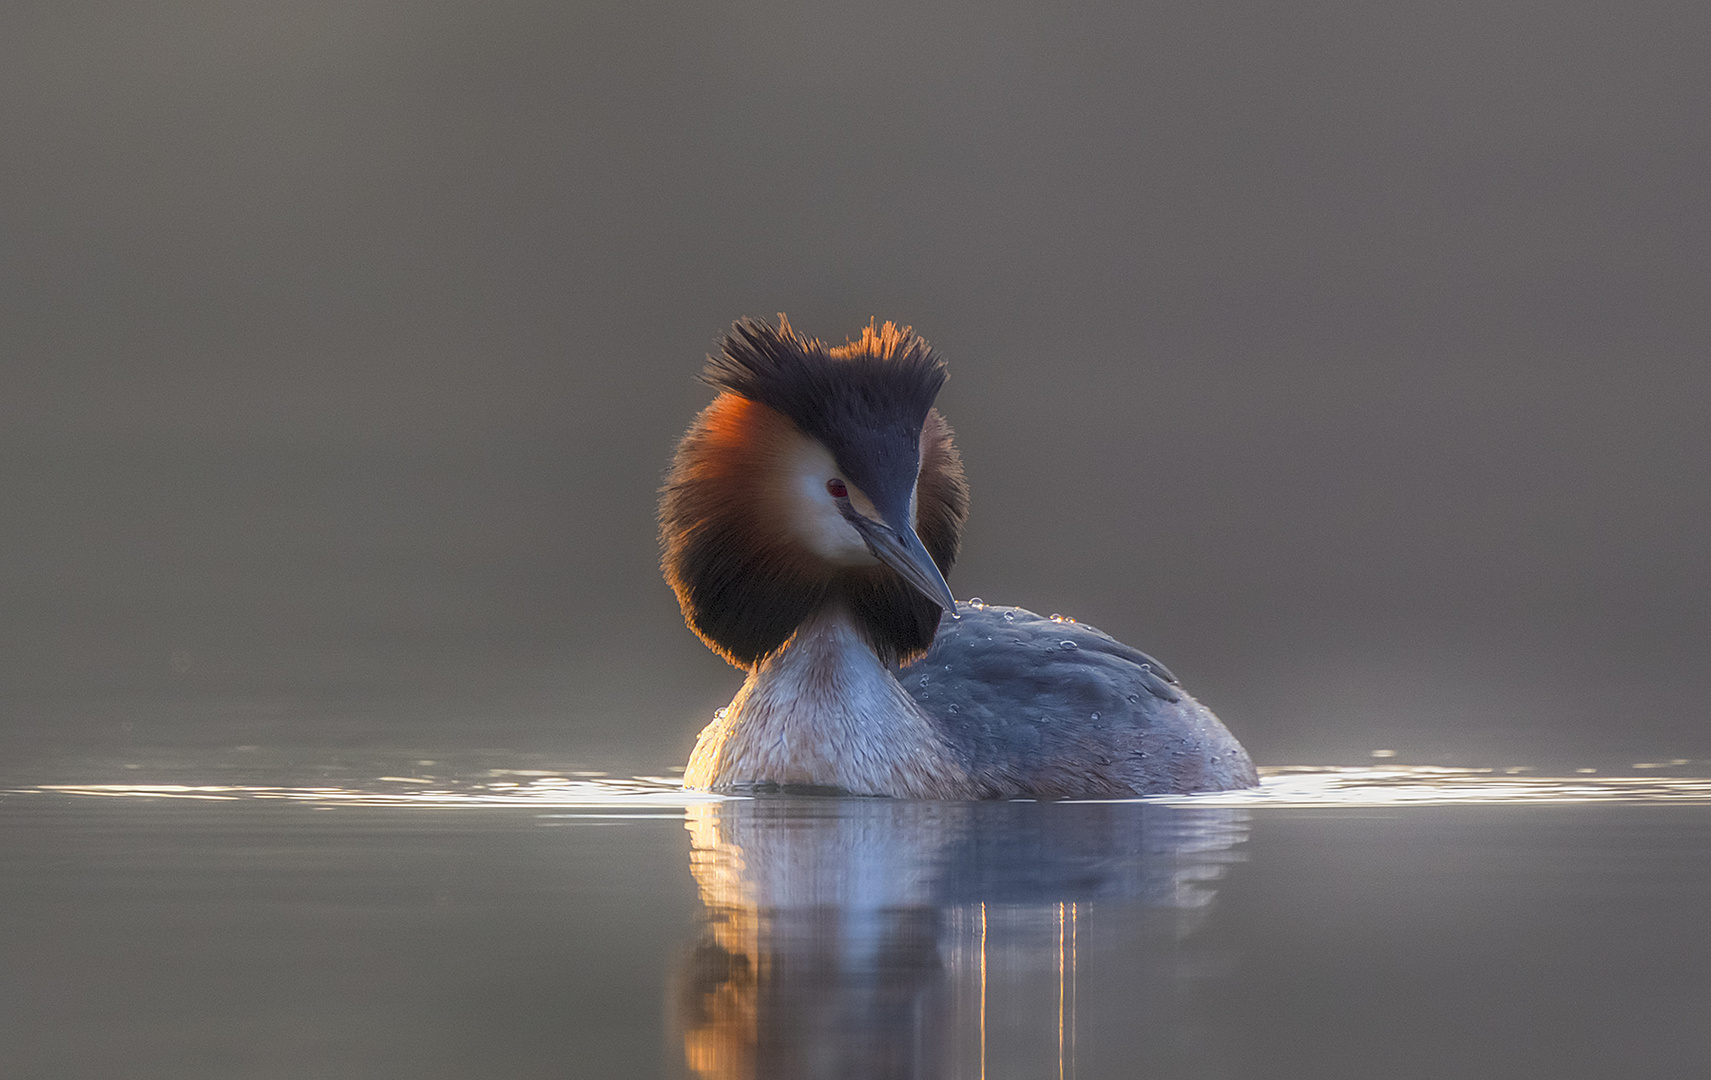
(1349, 356)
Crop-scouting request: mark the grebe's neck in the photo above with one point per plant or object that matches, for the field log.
(826, 711)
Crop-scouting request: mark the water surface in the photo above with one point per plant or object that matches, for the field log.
(500, 915)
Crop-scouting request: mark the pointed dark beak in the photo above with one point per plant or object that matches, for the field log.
(900, 549)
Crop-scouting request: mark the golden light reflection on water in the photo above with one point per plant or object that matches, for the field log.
(1654, 782)
(885, 937)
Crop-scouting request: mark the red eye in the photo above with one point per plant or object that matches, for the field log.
(837, 489)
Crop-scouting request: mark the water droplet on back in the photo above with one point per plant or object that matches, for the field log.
(977, 603)
(1009, 616)
(1069, 644)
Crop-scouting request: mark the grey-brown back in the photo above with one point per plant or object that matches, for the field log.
(1050, 708)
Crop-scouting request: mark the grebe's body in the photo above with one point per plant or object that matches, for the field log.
(810, 516)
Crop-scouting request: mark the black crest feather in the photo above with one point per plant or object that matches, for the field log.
(864, 401)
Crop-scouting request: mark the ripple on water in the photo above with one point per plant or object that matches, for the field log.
(1280, 787)
(1426, 785)
(538, 792)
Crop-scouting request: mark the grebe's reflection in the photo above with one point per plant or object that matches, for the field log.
(859, 937)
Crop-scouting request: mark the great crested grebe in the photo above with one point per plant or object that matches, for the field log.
(808, 521)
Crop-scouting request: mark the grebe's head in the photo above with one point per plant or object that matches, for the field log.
(817, 476)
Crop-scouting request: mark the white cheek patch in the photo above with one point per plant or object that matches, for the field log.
(813, 514)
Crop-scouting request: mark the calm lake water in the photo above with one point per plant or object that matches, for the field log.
(494, 916)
